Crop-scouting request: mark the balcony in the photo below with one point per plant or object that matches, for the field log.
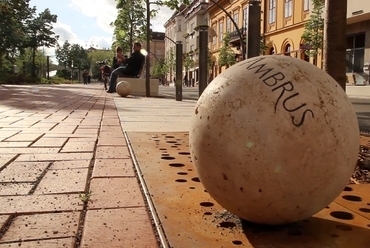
(357, 11)
(234, 36)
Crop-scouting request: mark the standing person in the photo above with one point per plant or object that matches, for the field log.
(132, 68)
(84, 76)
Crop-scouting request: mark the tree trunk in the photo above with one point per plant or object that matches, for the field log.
(33, 62)
(335, 40)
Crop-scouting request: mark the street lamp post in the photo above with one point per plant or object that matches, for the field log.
(147, 60)
(203, 58)
(178, 82)
(254, 28)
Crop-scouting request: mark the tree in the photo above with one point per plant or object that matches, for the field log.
(130, 23)
(159, 69)
(335, 40)
(227, 55)
(12, 29)
(170, 62)
(63, 57)
(188, 62)
(313, 34)
(40, 33)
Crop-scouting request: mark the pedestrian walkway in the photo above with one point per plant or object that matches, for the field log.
(66, 176)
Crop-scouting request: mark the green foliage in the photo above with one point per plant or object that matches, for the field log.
(313, 34)
(227, 55)
(159, 68)
(130, 25)
(188, 62)
(170, 62)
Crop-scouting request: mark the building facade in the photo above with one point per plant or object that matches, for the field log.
(196, 14)
(282, 27)
(174, 32)
(358, 41)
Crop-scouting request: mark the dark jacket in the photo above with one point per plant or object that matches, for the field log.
(134, 64)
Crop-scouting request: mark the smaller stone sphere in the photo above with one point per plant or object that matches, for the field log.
(123, 88)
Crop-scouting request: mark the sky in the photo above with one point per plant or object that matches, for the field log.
(86, 22)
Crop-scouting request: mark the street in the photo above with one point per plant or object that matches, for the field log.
(361, 106)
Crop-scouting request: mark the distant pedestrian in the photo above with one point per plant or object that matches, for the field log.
(84, 76)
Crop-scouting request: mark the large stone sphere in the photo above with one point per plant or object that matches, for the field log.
(274, 139)
(123, 88)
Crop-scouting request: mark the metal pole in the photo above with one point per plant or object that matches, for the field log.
(47, 67)
(203, 57)
(178, 83)
(254, 28)
(147, 62)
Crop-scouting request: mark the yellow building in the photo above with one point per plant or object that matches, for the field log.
(220, 24)
(283, 27)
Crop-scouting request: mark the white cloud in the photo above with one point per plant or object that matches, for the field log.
(104, 11)
(164, 13)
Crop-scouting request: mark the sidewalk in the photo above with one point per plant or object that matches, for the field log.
(358, 91)
(66, 176)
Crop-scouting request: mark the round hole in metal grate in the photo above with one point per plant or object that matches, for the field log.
(352, 198)
(365, 210)
(206, 204)
(165, 154)
(169, 136)
(168, 158)
(190, 169)
(368, 225)
(177, 165)
(156, 140)
(207, 213)
(327, 207)
(191, 187)
(237, 242)
(227, 224)
(182, 173)
(344, 227)
(163, 149)
(184, 153)
(342, 215)
(196, 179)
(173, 146)
(171, 142)
(181, 180)
(368, 204)
(347, 189)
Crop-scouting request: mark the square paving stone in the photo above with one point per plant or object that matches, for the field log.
(24, 137)
(77, 146)
(63, 181)
(50, 142)
(71, 164)
(119, 228)
(43, 243)
(40, 203)
(112, 152)
(113, 168)
(42, 226)
(115, 193)
(15, 188)
(23, 171)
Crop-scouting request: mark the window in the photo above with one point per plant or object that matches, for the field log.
(355, 53)
(179, 27)
(192, 48)
(236, 18)
(206, 21)
(228, 25)
(245, 17)
(191, 27)
(306, 5)
(214, 36)
(221, 31)
(272, 11)
(288, 8)
(287, 50)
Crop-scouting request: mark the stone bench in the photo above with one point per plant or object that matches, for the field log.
(138, 86)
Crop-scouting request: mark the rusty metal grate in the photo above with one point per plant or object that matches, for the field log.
(191, 218)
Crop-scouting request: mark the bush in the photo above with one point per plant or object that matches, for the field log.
(19, 79)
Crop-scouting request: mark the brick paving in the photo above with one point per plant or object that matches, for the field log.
(66, 176)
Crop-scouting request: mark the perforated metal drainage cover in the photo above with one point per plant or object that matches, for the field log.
(191, 218)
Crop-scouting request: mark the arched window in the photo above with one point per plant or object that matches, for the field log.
(287, 50)
(271, 51)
